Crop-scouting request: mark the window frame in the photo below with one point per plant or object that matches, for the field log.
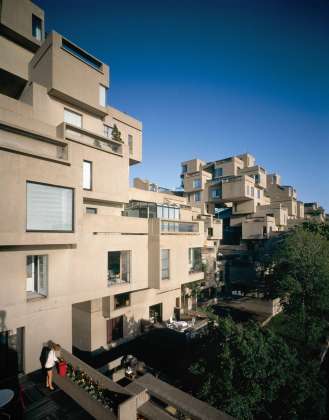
(94, 210)
(73, 208)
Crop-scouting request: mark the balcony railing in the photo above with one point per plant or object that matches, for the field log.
(179, 227)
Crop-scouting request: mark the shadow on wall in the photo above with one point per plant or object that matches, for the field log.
(9, 368)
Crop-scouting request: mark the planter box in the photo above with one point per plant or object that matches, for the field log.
(81, 396)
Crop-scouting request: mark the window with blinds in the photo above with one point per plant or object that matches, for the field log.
(49, 208)
(72, 118)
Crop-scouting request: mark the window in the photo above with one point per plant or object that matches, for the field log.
(73, 118)
(36, 275)
(257, 178)
(87, 175)
(218, 172)
(164, 264)
(167, 212)
(248, 190)
(216, 193)
(210, 232)
(49, 208)
(177, 302)
(258, 193)
(195, 260)
(184, 169)
(102, 95)
(197, 183)
(118, 267)
(91, 210)
(197, 196)
(122, 300)
(130, 144)
(36, 27)
(252, 191)
(107, 131)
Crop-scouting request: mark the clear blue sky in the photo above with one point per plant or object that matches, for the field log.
(214, 78)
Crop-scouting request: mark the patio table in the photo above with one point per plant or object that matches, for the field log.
(6, 395)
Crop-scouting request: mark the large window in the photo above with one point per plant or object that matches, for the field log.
(36, 27)
(195, 260)
(49, 208)
(118, 267)
(102, 95)
(165, 264)
(72, 118)
(87, 175)
(36, 275)
(197, 183)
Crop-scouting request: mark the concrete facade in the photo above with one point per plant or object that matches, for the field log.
(89, 282)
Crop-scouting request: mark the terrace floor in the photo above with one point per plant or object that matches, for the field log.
(39, 403)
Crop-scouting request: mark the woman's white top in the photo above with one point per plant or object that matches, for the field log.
(51, 359)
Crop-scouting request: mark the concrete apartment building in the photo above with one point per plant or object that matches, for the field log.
(84, 258)
(251, 203)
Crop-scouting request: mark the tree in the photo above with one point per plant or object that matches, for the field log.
(301, 272)
(251, 373)
(116, 134)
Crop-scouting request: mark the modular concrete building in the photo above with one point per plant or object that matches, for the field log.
(84, 258)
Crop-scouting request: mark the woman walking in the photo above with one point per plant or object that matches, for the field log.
(50, 363)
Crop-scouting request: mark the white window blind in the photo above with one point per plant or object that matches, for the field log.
(49, 208)
(73, 118)
(102, 95)
(86, 175)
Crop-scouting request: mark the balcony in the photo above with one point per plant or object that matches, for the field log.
(88, 138)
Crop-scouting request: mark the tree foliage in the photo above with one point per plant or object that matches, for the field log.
(301, 271)
(116, 134)
(251, 373)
